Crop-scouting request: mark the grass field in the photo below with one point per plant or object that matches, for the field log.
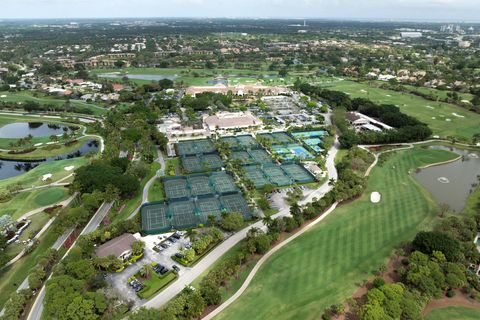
(461, 124)
(202, 77)
(451, 313)
(34, 176)
(156, 192)
(48, 151)
(30, 200)
(23, 96)
(325, 265)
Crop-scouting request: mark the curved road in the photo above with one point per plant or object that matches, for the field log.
(190, 274)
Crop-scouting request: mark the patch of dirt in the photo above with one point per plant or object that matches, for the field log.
(460, 299)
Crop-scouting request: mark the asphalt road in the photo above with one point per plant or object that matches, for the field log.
(37, 308)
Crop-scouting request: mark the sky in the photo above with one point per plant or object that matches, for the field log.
(428, 10)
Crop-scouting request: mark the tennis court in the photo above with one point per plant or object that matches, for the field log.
(235, 203)
(192, 147)
(154, 217)
(176, 188)
(202, 163)
(223, 183)
(277, 137)
(200, 185)
(161, 217)
(292, 152)
(297, 173)
(240, 142)
(241, 155)
(277, 176)
(259, 156)
(183, 214)
(309, 134)
(208, 206)
(255, 174)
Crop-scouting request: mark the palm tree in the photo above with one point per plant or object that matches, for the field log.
(146, 271)
(267, 220)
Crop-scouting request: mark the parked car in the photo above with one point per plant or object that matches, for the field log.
(176, 268)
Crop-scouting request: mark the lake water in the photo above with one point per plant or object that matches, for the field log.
(18, 130)
(149, 77)
(453, 182)
(12, 168)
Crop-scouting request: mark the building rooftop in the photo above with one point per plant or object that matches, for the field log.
(116, 246)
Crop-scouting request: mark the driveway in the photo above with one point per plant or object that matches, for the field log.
(119, 281)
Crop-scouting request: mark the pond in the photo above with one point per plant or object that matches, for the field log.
(12, 168)
(149, 77)
(18, 130)
(452, 183)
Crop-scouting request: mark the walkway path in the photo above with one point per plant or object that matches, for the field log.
(149, 183)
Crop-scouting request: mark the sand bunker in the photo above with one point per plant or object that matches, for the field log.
(429, 107)
(375, 197)
(458, 115)
(69, 168)
(363, 91)
(38, 144)
(47, 176)
(448, 120)
(3, 96)
(388, 95)
(434, 118)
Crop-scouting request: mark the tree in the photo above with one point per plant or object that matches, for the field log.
(137, 247)
(189, 254)
(145, 314)
(80, 309)
(210, 291)
(232, 221)
(428, 242)
(146, 270)
(119, 64)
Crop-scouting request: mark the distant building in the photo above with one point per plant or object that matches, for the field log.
(411, 34)
(231, 120)
(120, 247)
(239, 90)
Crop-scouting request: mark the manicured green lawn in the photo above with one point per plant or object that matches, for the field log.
(454, 313)
(435, 114)
(325, 265)
(23, 96)
(47, 151)
(30, 200)
(34, 176)
(156, 192)
(156, 283)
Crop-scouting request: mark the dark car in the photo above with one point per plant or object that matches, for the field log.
(179, 255)
(176, 268)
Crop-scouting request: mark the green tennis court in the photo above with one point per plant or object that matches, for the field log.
(192, 147)
(298, 173)
(255, 174)
(202, 163)
(235, 203)
(260, 156)
(207, 207)
(200, 185)
(277, 137)
(277, 176)
(176, 188)
(223, 183)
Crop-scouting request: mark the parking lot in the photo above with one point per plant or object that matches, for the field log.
(119, 281)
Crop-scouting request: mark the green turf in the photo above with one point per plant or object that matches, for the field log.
(454, 313)
(47, 151)
(324, 265)
(34, 176)
(156, 192)
(30, 200)
(418, 107)
(43, 99)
